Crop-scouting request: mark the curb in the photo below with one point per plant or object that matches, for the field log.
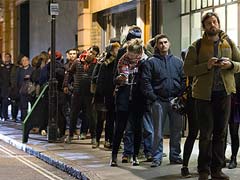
(56, 163)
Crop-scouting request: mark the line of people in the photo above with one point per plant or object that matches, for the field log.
(134, 88)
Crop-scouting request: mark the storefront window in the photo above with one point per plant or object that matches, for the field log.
(196, 26)
(183, 6)
(221, 13)
(222, 1)
(216, 2)
(210, 2)
(232, 22)
(228, 15)
(204, 3)
(185, 32)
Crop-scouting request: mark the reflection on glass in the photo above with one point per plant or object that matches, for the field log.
(232, 22)
(185, 39)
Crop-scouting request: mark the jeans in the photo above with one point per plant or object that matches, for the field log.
(160, 110)
(213, 117)
(147, 133)
(128, 138)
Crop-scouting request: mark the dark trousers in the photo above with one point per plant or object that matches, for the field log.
(81, 102)
(233, 128)
(5, 104)
(213, 119)
(193, 128)
(120, 125)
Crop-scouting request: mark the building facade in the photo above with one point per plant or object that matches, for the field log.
(25, 28)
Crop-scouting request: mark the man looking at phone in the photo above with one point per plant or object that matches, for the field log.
(213, 66)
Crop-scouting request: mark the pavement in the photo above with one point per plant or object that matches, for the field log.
(82, 162)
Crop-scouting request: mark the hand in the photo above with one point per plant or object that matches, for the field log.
(121, 79)
(212, 62)
(224, 63)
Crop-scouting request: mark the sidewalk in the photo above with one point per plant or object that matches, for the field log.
(81, 161)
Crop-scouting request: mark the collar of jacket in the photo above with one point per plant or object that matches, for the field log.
(162, 57)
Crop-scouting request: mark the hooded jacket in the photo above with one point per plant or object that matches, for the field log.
(163, 78)
(202, 77)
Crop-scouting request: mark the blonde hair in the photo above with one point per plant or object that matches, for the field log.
(135, 46)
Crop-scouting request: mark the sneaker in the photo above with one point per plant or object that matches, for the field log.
(68, 139)
(125, 159)
(113, 162)
(149, 158)
(107, 145)
(43, 133)
(95, 145)
(185, 172)
(135, 161)
(156, 164)
(83, 136)
(177, 161)
(66, 132)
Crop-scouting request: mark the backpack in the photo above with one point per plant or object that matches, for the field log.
(198, 45)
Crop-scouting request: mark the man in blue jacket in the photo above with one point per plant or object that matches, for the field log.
(162, 81)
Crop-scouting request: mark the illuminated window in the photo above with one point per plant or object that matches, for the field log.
(221, 13)
(216, 2)
(196, 26)
(185, 32)
(232, 22)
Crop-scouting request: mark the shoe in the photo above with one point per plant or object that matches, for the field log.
(149, 158)
(66, 132)
(125, 159)
(94, 142)
(68, 139)
(177, 161)
(232, 163)
(95, 145)
(107, 145)
(43, 133)
(83, 136)
(156, 164)
(203, 176)
(113, 162)
(185, 172)
(135, 161)
(219, 175)
(227, 160)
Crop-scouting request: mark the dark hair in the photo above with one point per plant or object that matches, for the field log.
(157, 37)
(95, 48)
(208, 15)
(8, 54)
(160, 36)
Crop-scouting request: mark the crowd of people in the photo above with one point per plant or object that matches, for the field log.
(130, 90)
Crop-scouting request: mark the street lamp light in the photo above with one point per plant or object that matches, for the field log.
(52, 93)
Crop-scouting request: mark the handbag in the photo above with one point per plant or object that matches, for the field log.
(178, 104)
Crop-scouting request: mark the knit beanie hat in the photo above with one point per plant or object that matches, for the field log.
(134, 32)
